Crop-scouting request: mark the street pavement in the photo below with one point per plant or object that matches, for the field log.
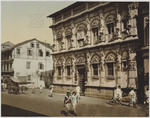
(41, 104)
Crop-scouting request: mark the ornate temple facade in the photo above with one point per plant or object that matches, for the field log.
(95, 47)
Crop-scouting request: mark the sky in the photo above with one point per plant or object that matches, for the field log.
(24, 20)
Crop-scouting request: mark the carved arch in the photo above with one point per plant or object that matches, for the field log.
(111, 57)
(81, 27)
(59, 62)
(68, 32)
(80, 60)
(95, 23)
(59, 34)
(68, 62)
(95, 59)
(111, 18)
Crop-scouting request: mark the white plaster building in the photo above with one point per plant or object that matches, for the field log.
(95, 47)
(27, 59)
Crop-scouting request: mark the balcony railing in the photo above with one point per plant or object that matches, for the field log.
(10, 70)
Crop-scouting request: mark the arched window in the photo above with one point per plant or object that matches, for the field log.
(68, 34)
(59, 67)
(68, 65)
(110, 23)
(95, 60)
(124, 59)
(95, 25)
(59, 39)
(81, 32)
(110, 63)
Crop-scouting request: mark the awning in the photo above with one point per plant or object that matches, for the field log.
(20, 79)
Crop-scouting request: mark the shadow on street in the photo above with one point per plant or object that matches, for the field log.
(14, 111)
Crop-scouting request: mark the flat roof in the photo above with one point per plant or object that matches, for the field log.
(64, 9)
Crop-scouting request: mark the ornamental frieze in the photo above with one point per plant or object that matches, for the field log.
(109, 8)
(68, 23)
(94, 13)
(80, 19)
(58, 27)
(80, 60)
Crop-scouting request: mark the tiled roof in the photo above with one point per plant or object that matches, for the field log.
(21, 43)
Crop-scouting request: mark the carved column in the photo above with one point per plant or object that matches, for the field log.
(118, 67)
(118, 28)
(73, 69)
(88, 67)
(102, 25)
(88, 30)
(73, 35)
(132, 68)
(63, 39)
(133, 12)
(54, 68)
(103, 71)
(63, 71)
(54, 40)
(5, 66)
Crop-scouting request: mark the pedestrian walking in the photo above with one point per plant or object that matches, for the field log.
(67, 101)
(41, 87)
(117, 95)
(133, 97)
(33, 91)
(51, 90)
(77, 89)
(74, 102)
(146, 101)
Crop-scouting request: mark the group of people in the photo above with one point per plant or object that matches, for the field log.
(71, 100)
(117, 96)
(41, 88)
